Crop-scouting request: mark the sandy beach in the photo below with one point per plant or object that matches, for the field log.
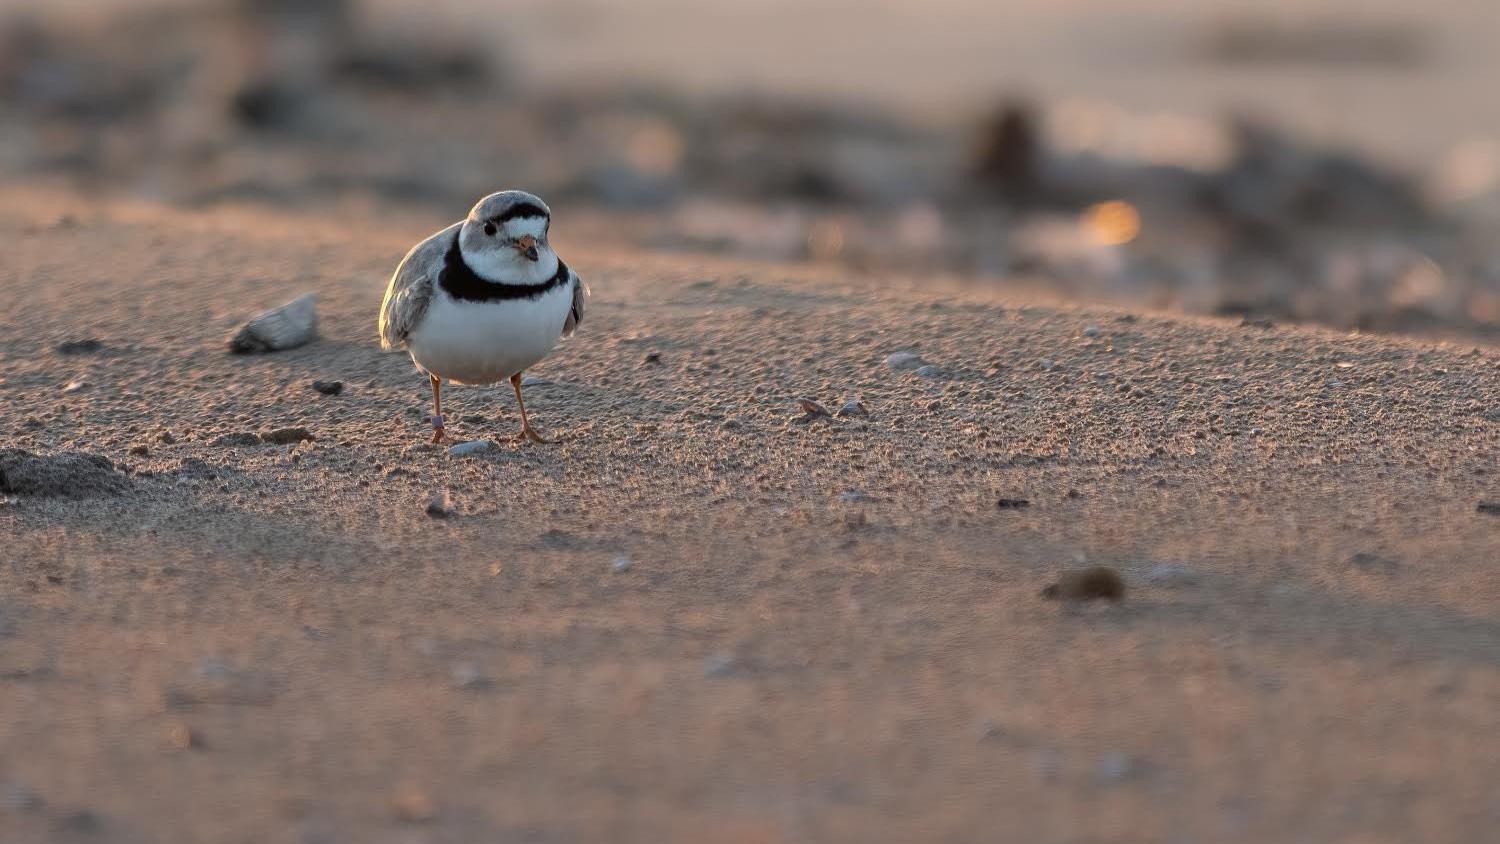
(701, 616)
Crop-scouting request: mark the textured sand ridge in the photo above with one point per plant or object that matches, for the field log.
(708, 613)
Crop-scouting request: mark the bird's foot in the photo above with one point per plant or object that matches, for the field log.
(529, 433)
(439, 432)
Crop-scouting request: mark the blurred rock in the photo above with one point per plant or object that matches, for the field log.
(1087, 584)
(904, 361)
(1008, 158)
(80, 347)
(471, 448)
(61, 475)
(285, 327)
(287, 436)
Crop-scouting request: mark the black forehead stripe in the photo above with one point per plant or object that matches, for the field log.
(525, 209)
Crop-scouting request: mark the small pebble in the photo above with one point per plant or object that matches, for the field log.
(929, 371)
(74, 386)
(1087, 584)
(287, 436)
(853, 407)
(1116, 767)
(652, 358)
(621, 564)
(183, 737)
(412, 805)
(901, 361)
(166, 437)
(1013, 503)
(468, 677)
(813, 408)
(328, 388)
(1490, 507)
(470, 448)
(1091, 331)
(440, 506)
(1169, 575)
(718, 666)
(534, 381)
(854, 496)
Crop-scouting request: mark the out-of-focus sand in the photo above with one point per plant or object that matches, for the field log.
(827, 632)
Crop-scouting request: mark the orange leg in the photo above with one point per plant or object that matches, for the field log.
(438, 434)
(527, 432)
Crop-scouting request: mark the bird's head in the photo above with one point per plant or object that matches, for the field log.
(505, 239)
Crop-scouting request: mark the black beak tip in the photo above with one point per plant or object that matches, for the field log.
(532, 254)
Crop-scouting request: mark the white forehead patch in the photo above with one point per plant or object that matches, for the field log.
(521, 226)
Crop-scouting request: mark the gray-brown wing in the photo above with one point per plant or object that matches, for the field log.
(410, 290)
(575, 313)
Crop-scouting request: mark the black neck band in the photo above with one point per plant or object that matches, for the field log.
(464, 285)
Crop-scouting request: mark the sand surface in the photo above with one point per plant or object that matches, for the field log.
(696, 618)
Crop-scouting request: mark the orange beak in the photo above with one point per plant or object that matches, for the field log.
(527, 245)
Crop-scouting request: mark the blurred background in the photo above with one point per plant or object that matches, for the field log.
(1329, 161)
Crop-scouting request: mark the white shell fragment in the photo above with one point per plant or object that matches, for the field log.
(905, 361)
(471, 447)
(284, 327)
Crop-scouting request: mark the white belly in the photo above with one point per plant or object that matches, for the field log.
(487, 342)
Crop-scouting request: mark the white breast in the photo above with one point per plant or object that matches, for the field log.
(487, 342)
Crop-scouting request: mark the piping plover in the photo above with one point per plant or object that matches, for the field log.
(480, 301)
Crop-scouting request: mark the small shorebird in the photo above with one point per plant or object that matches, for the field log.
(482, 300)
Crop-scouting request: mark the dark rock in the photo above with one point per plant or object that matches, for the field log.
(328, 388)
(65, 475)
(440, 506)
(81, 822)
(1009, 156)
(80, 347)
(1087, 584)
(287, 436)
(652, 358)
(1490, 507)
(1365, 561)
(1013, 503)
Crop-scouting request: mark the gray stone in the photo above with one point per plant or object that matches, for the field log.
(284, 327)
(470, 448)
(904, 361)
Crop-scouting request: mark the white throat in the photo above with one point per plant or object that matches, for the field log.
(511, 267)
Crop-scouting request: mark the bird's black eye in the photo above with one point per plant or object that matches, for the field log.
(489, 229)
